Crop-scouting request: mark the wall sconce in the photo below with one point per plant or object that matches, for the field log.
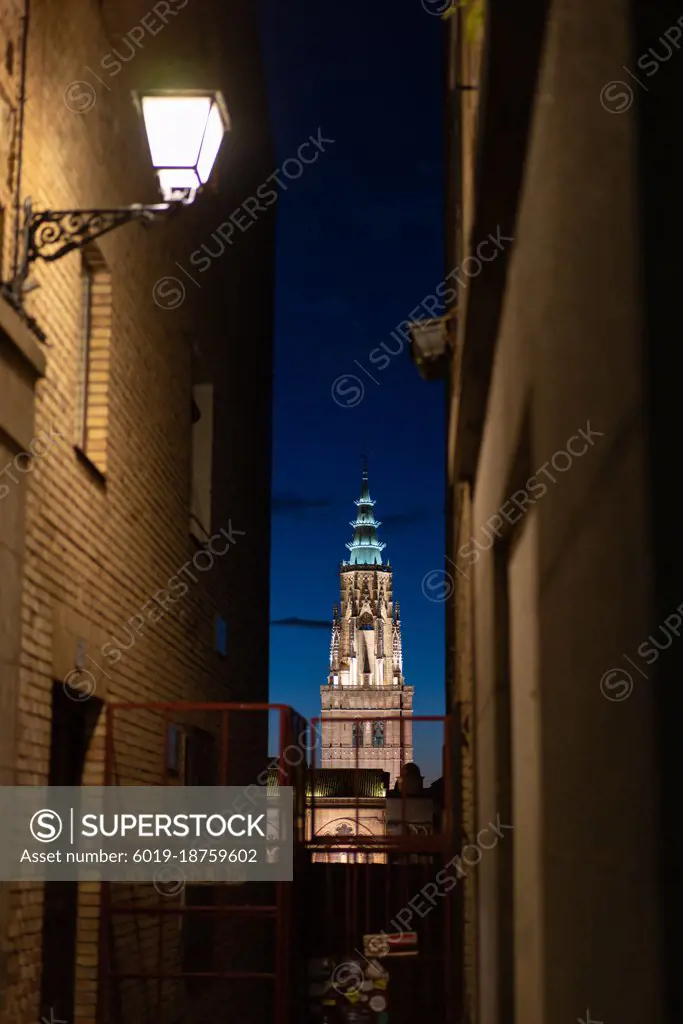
(184, 132)
(430, 346)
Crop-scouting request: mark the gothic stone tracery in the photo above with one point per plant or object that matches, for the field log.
(366, 661)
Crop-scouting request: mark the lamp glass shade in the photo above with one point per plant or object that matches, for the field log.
(213, 136)
(173, 180)
(184, 132)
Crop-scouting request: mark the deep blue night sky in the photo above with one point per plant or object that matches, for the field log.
(360, 244)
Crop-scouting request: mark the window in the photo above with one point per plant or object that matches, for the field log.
(174, 751)
(357, 734)
(202, 456)
(92, 406)
(220, 635)
(378, 734)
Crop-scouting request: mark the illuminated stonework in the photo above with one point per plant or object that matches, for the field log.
(366, 705)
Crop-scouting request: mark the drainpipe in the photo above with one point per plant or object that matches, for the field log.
(20, 136)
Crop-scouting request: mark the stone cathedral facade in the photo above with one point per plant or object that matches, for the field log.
(366, 706)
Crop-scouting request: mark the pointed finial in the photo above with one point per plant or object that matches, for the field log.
(364, 491)
(365, 548)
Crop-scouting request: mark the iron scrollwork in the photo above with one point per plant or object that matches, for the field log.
(53, 233)
(50, 234)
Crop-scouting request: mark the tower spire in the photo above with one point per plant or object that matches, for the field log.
(365, 548)
(365, 681)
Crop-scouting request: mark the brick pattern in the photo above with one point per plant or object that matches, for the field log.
(93, 384)
(98, 549)
(12, 505)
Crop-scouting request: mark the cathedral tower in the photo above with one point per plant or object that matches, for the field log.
(366, 661)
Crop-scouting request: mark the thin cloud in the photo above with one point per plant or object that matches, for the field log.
(285, 504)
(297, 623)
(414, 518)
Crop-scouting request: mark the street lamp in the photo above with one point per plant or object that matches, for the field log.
(430, 345)
(184, 131)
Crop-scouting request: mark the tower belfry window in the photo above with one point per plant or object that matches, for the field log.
(357, 733)
(378, 734)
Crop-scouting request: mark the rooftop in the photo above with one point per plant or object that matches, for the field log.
(344, 782)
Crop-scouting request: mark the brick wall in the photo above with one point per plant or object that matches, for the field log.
(105, 534)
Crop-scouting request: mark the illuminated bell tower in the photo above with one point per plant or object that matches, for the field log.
(366, 661)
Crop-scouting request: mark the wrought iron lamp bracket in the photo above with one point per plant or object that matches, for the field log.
(50, 234)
